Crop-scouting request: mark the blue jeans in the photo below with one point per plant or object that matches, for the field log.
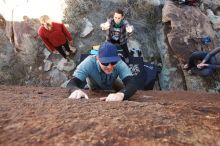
(196, 58)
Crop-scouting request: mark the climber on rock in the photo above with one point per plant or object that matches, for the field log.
(105, 71)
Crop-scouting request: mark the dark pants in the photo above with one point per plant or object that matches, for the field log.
(125, 50)
(124, 47)
(61, 51)
(195, 59)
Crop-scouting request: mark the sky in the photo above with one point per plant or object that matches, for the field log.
(32, 9)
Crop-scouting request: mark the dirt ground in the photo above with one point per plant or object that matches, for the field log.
(45, 116)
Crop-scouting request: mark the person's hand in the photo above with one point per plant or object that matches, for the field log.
(129, 28)
(77, 94)
(201, 65)
(113, 97)
(71, 43)
(105, 26)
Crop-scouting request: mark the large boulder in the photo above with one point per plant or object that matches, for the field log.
(23, 35)
(170, 77)
(213, 4)
(57, 78)
(187, 25)
(6, 49)
(184, 28)
(6, 52)
(215, 20)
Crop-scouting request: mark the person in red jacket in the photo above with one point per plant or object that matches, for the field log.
(55, 36)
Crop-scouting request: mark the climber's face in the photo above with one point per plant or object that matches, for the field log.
(117, 18)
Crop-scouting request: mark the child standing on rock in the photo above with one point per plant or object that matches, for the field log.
(118, 30)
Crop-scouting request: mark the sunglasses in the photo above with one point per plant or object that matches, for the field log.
(112, 63)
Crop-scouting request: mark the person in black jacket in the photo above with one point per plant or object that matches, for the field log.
(204, 63)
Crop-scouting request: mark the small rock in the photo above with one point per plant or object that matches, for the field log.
(88, 28)
(47, 65)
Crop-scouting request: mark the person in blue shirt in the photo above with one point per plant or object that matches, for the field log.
(101, 72)
(204, 63)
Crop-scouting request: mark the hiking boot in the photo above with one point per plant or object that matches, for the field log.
(189, 72)
(73, 51)
(68, 59)
(186, 67)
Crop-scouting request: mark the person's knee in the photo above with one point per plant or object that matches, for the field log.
(196, 53)
(206, 72)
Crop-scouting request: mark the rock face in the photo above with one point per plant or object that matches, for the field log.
(187, 24)
(45, 116)
(213, 4)
(184, 28)
(6, 52)
(168, 42)
(214, 19)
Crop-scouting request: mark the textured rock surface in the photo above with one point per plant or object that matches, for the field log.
(45, 116)
(187, 24)
(184, 28)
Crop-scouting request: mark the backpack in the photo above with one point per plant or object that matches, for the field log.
(152, 72)
(145, 74)
(206, 40)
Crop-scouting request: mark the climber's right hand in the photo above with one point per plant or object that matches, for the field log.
(77, 94)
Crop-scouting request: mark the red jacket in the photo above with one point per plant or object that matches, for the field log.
(55, 37)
